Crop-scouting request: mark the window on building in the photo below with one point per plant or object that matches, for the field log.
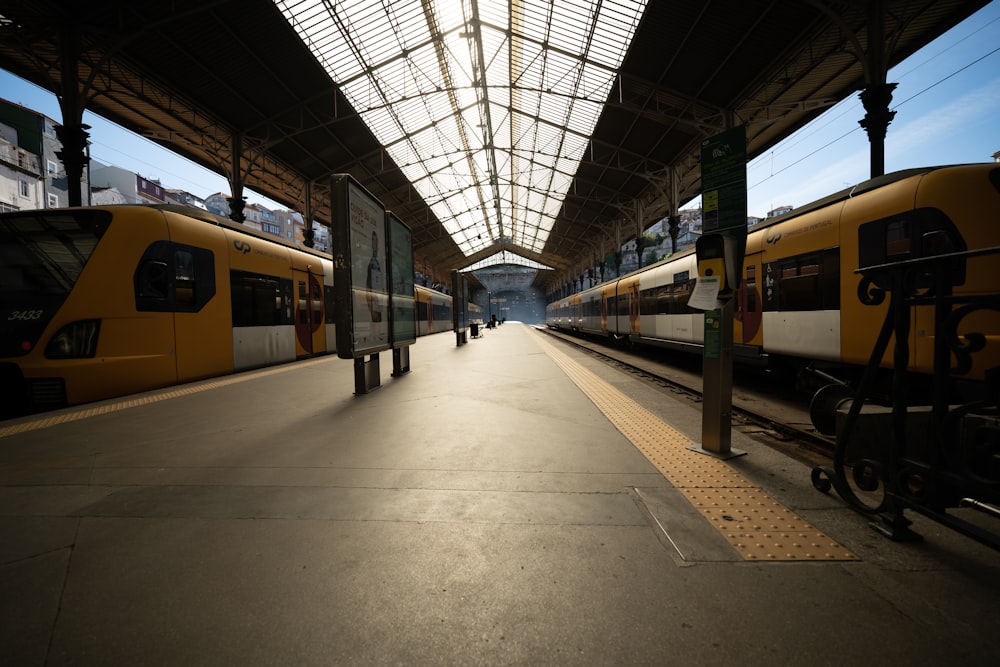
(53, 200)
(51, 167)
(23, 188)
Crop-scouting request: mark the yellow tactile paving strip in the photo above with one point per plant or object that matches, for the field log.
(758, 527)
(153, 397)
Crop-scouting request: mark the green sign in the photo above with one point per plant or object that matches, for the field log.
(724, 188)
(713, 334)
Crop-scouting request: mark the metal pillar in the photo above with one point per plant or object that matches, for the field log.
(308, 233)
(73, 133)
(877, 94)
(237, 202)
(876, 122)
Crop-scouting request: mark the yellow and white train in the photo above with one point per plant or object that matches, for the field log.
(107, 301)
(798, 298)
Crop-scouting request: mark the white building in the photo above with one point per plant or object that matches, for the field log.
(136, 188)
(107, 196)
(22, 184)
(184, 198)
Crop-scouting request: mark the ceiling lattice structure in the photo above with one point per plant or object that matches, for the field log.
(486, 106)
(560, 128)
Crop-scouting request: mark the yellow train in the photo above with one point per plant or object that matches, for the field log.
(107, 301)
(798, 299)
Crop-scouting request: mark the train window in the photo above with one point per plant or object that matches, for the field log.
(45, 252)
(317, 303)
(937, 242)
(897, 241)
(174, 277)
(806, 282)
(680, 294)
(153, 281)
(798, 292)
(184, 266)
(749, 293)
(649, 301)
(258, 300)
(184, 282)
(303, 309)
(923, 232)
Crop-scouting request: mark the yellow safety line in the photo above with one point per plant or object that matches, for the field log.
(73, 415)
(756, 525)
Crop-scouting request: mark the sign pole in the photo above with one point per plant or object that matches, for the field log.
(724, 212)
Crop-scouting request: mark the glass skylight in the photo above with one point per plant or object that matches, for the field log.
(505, 258)
(487, 106)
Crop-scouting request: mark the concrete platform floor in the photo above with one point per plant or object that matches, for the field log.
(479, 510)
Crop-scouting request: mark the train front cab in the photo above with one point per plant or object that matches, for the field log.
(940, 211)
(135, 316)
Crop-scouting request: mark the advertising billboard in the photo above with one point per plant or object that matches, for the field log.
(401, 301)
(360, 267)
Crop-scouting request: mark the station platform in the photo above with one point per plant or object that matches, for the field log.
(509, 501)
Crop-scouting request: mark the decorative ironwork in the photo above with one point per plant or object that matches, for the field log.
(946, 468)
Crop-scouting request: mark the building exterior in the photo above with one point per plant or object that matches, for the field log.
(262, 219)
(290, 224)
(136, 189)
(22, 185)
(218, 204)
(184, 198)
(107, 196)
(28, 146)
(321, 238)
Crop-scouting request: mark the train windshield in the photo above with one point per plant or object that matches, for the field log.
(42, 253)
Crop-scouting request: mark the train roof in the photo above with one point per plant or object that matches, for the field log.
(855, 190)
(842, 195)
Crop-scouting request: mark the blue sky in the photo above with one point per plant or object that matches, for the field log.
(947, 105)
(947, 108)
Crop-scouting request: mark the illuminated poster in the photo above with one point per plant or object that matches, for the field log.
(404, 309)
(360, 269)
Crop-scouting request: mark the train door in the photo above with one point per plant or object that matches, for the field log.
(748, 306)
(198, 272)
(309, 334)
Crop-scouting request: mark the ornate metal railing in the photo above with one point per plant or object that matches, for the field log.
(953, 458)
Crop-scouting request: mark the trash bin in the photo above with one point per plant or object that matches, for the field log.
(475, 329)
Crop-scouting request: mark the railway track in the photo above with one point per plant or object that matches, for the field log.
(780, 421)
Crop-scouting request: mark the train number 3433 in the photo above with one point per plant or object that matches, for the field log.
(25, 315)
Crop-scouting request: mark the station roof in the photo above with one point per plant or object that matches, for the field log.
(521, 127)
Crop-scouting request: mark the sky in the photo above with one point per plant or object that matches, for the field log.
(947, 106)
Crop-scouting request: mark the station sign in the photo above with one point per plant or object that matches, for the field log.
(724, 190)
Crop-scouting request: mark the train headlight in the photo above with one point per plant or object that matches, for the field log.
(74, 341)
